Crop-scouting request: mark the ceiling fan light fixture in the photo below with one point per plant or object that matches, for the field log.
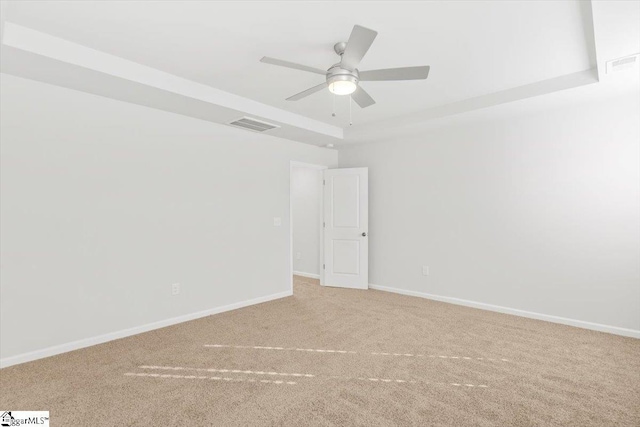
(342, 81)
(342, 87)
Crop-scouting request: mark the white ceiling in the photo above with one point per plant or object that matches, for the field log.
(474, 48)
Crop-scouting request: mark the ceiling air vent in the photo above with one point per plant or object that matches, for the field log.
(253, 124)
(623, 63)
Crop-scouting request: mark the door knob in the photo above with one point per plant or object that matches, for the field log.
(364, 234)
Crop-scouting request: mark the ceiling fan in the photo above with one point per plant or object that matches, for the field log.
(343, 78)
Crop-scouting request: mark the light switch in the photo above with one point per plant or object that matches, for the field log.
(277, 221)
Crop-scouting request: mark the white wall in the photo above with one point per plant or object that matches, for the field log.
(106, 204)
(305, 205)
(538, 213)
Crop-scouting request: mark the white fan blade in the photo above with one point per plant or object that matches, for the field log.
(281, 63)
(362, 98)
(405, 73)
(359, 43)
(307, 92)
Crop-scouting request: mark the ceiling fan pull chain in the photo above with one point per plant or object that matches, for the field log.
(350, 121)
(333, 113)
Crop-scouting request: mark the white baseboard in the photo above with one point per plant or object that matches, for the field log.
(87, 342)
(529, 314)
(309, 275)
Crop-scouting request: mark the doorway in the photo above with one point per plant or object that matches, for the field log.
(329, 220)
(306, 212)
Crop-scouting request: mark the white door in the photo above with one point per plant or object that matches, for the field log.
(346, 226)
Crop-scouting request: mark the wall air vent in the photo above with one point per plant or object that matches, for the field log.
(253, 124)
(624, 63)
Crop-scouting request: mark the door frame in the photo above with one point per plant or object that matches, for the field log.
(320, 168)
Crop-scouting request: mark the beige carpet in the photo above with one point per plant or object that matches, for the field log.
(341, 357)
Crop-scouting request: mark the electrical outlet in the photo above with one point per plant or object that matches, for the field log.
(175, 289)
(298, 255)
(277, 222)
(425, 270)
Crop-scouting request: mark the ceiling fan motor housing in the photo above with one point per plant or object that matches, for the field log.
(337, 73)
